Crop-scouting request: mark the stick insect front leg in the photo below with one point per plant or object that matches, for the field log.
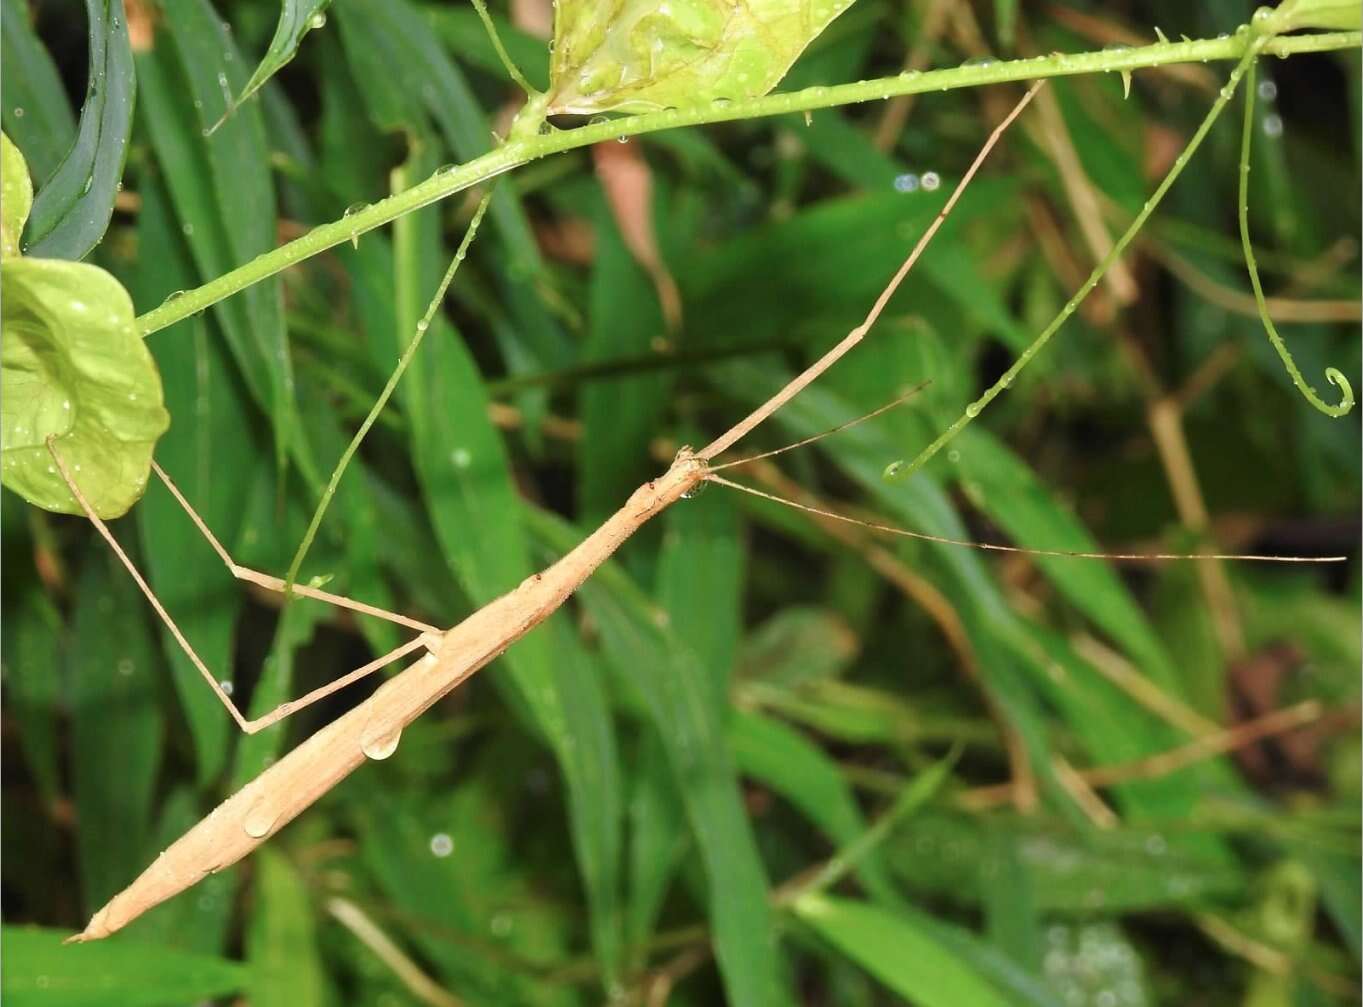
(429, 637)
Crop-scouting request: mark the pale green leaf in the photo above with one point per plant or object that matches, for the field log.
(640, 56)
(73, 368)
(16, 197)
(893, 948)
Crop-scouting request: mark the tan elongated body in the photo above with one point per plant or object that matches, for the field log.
(372, 729)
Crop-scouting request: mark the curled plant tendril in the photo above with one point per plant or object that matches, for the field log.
(1332, 374)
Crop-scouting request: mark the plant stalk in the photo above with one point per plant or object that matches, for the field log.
(528, 145)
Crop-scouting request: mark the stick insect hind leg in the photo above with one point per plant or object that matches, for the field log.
(428, 638)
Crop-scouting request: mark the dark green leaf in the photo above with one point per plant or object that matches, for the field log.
(281, 941)
(73, 207)
(36, 112)
(117, 728)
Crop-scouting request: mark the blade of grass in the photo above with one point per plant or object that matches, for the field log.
(683, 711)
(200, 451)
(222, 192)
(72, 209)
(117, 727)
(36, 111)
(466, 480)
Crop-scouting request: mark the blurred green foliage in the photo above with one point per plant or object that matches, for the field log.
(631, 803)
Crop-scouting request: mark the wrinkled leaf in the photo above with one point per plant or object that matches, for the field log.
(640, 56)
(903, 956)
(73, 368)
(73, 208)
(40, 971)
(16, 197)
(296, 19)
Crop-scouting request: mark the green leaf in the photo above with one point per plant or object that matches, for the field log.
(73, 368)
(281, 940)
(117, 727)
(903, 956)
(640, 57)
(33, 681)
(40, 971)
(16, 197)
(73, 207)
(222, 192)
(36, 110)
(684, 713)
(798, 770)
(619, 416)
(296, 19)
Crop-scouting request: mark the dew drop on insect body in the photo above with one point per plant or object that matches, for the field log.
(380, 746)
(695, 490)
(260, 818)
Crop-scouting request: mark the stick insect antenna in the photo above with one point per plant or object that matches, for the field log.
(1128, 557)
(892, 404)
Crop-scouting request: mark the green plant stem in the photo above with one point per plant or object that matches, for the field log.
(1332, 374)
(899, 470)
(523, 148)
(421, 328)
(513, 71)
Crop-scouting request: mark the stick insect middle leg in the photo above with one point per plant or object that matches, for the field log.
(428, 638)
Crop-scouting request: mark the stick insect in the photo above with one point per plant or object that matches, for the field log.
(373, 728)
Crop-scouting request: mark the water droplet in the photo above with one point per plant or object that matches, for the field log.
(18, 111)
(907, 182)
(126, 666)
(1116, 47)
(380, 746)
(695, 490)
(66, 404)
(893, 469)
(1268, 90)
(226, 687)
(461, 458)
(931, 180)
(598, 120)
(441, 844)
(978, 61)
(318, 20)
(89, 182)
(188, 230)
(972, 410)
(422, 325)
(622, 139)
(1273, 125)
(1155, 845)
(953, 456)
(260, 819)
(501, 925)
